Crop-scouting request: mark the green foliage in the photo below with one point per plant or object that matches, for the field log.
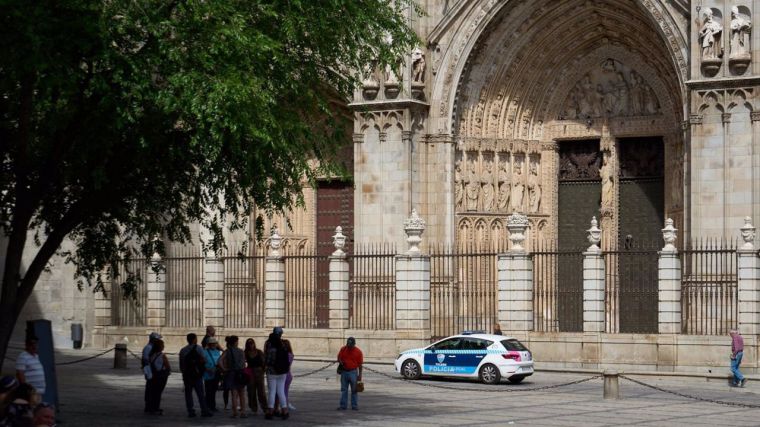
(122, 120)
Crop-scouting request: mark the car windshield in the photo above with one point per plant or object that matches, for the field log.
(513, 345)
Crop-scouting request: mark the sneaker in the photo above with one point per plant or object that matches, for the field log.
(743, 382)
(291, 407)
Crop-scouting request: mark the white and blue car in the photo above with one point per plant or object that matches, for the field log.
(469, 355)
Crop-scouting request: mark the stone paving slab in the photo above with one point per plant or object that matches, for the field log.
(94, 394)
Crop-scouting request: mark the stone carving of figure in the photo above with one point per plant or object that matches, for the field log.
(651, 105)
(740, 27)
(458, 185)
(418, 66)
(505, 187)
(472, 190)
(636, 95)
(488, 191)
(621, 93)
(604, 102)
(586, 104)
(709, 35)
(608, 185)
(534, 188)
(518, 188)
(391, 77)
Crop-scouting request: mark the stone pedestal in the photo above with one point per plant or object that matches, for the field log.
(669, 291)
(274, 292)
(593, 292)
(338, 292)
(413, 293)
(515, 277)
(156, 276)
(749, 291)
(213, 291)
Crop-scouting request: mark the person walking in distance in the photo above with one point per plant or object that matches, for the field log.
(160, 371)
(737, 352)
(211, 375)
(255, 360)
(145, 360)
(277, 369)
(192, 364)
(351, 360)
(28, 367)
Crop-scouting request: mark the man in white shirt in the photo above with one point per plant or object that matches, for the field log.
(28, 367)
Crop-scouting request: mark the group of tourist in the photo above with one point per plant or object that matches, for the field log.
(208, 367)
(21, 402)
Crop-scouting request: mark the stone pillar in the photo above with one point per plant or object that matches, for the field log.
(669, 287)
(339, 282)
(213, 289)
(593, 282)
(749, 282)
(515, 280)
(274, 284)
(156, 276)
(103, 304)
(413, 283)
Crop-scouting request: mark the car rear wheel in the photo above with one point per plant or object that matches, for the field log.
(489, 374)
(516, 379)
(410, 369)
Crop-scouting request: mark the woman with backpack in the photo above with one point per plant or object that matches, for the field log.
(277, 366)
(233, 363)
(160, 371)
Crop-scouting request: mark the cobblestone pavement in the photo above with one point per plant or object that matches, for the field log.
(94, 394)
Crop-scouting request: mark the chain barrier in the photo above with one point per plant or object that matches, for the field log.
(314, 371)
(134, 355)
(85, 359)
(487, 390)
(688, 396)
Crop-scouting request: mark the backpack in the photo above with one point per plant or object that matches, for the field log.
(277, 360)
(194, 364)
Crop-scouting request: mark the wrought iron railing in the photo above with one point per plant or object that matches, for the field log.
(243, 290)
(631, 288)
(372, 287)
(709, 285)
(557, 289)
(184, 287)
(307, 290)
(129, 310)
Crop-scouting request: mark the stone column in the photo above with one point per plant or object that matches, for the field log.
(413, 283)
(593, 282)
(339, 282)
(156, 276)
(515, 280)
(213, 289)
(274, 283)
(749, 281)
(669, 278)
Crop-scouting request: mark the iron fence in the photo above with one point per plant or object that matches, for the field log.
(130, 310)
(184, 287)
(307, 291)
(243, 290)
(709, 285)
(463, 290)
(372, 287)
(631, 288)
(557, 289)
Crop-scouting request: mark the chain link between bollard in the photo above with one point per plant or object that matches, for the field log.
(85, 359)
(314, 371)
(487, 390)
(688, 396)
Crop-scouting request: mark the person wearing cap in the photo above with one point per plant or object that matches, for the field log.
(351, 360)
(28, 367)
(211, 376)
(152, 338)
(7, 385)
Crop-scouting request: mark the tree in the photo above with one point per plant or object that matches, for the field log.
(125, 120)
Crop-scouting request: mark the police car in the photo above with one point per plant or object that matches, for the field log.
(469, 355)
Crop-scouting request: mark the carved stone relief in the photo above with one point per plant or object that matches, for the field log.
(710, 41)
(740, 54)
(610, 90)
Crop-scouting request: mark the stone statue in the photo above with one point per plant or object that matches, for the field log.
(418, 66)
(586, 103)
(505, 187)
(487, 190)
(621, 93)
(740, 28)
(534, 188)
(709, 35)
(391, 76)
(651, 105)
(458, 185)
(608, 185)
(472, 190)
(636, 95)
(518, 188)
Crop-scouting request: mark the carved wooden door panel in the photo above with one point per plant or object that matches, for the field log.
(641, 216)
(579, 200)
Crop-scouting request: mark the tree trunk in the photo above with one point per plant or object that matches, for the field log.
(7, 323)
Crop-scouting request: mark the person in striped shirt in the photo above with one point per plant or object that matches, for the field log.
(28, 367)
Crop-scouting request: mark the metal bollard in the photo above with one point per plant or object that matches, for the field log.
(611, 384)
(120, 356)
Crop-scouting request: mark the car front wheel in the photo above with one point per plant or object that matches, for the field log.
(516, 379)
(489, 374)
(410, 369)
